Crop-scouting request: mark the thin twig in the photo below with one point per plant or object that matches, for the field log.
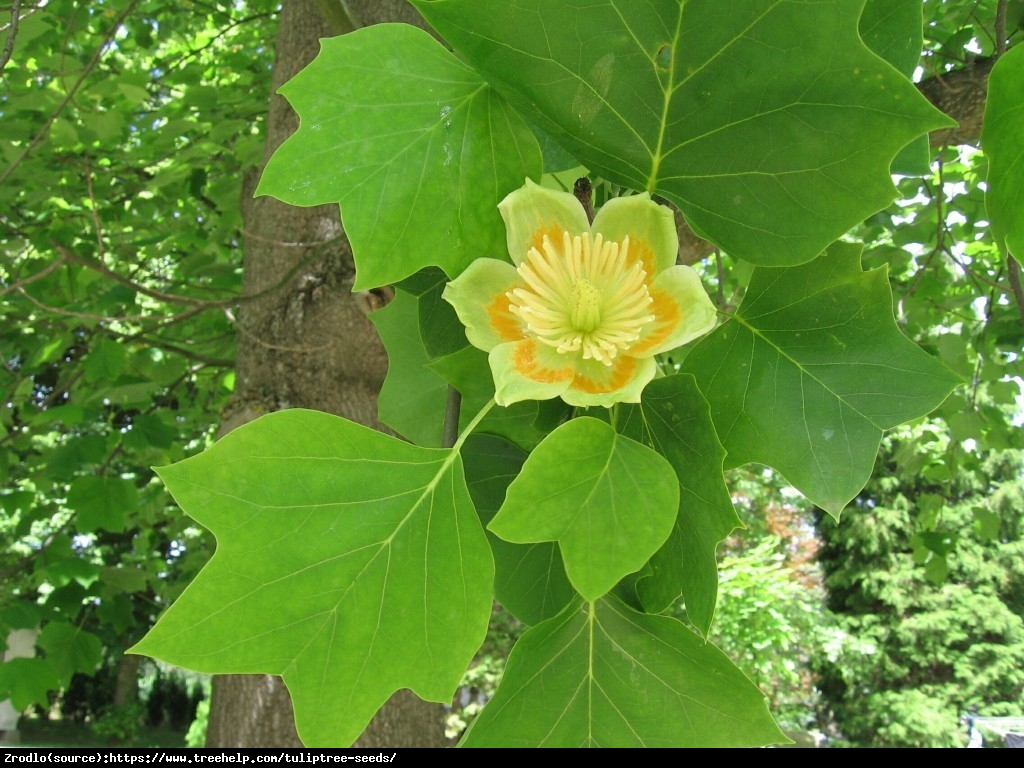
(20, 284)
(1013, 272)
(12, 31)
(266, 344)
(107, 39)
(1001, 28)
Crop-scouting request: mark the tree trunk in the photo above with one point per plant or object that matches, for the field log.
(126, 689)
(305, 343)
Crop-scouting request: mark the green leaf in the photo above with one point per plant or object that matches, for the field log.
(106, 361)
(102, 502)
(123, 579)
(70, 649)
(609, 501)
(811, 370)
(771, 125)
(28, 681)
(412, 398)
(583, 679)
(529, 580)
(441, 332)
(894, 30)
(675, 420)
(1003, 140)
(413, 144)
(348, 562)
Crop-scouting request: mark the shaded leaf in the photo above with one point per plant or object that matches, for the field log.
(348, 562)
(1003, 141)
(675, 420)
(102, 502)
(412, 398)
(811, 370)
(70, 649)
(529, 579)
(606, 676)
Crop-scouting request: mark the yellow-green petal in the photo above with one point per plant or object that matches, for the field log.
(605, 385)
(648, 225)
(529, 370)
(533, 211)
(682, 311)
(479, 298)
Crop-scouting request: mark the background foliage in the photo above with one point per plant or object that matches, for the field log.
(127, 132)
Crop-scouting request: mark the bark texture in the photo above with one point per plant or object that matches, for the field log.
(961, 94)
(305, 343)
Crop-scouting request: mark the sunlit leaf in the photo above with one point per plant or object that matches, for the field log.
(772, 150)
(348, 562)
(1003, 141)
(606, 676)
(609, 502)
(413, 144)
(811, 370)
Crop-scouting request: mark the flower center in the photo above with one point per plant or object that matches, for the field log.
(583, 297)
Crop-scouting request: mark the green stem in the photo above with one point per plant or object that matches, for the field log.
(472, 425)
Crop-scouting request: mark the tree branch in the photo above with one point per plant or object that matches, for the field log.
(12, 31)
(1013, 271)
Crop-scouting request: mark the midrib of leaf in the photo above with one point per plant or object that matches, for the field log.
(590, 672)
(666, 102)
(671, 87)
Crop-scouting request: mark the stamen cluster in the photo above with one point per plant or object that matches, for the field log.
(585, 296)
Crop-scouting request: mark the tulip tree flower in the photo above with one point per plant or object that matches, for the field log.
(583, 308)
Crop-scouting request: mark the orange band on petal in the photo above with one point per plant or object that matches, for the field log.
(666, 319)
(551, 231)
(524, 359)
(641, 250)
(508, 326)
(620, 373)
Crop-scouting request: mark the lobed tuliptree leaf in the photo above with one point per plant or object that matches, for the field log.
(894, 30)
(811, 370)
(609, 502)
(70, 649)
(771, 148)
(28, 681)
(102, 502)
(416, 147)
(1003, 141)
(348, 562)
(604, 675)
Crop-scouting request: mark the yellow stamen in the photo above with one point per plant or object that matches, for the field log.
(586, 297)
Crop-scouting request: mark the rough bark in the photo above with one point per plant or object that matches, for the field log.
(961, 94)
(126, 689)
(307, 343)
